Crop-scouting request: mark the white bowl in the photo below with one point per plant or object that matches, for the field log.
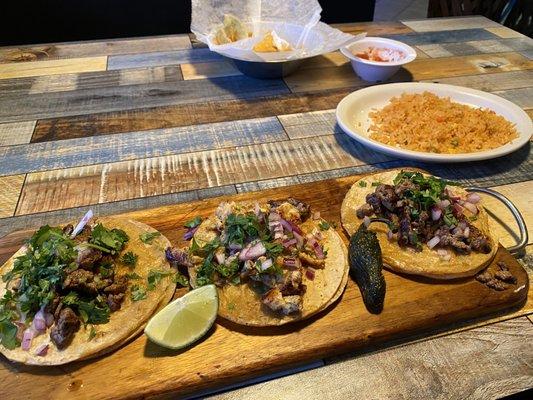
(374, 71)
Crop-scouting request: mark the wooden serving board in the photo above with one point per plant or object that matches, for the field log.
(231, 353)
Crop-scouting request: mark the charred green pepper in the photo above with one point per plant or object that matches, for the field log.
(364, 255)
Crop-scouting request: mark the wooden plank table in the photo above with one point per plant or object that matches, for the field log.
(124, 125)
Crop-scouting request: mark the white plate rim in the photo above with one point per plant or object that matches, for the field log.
(394, 88)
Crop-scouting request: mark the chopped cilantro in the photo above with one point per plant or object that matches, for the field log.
(193, 223)
(94, 312)
(154, 277)
(148, 237)
(133, 276)
(130, 259)
(273, 249)
(92, 333)
(377, 183)
(362, 184)
(228, 270)
(231, 306)
(324, 225)
(180, 279)
(109, 240)
(473, 218)
(138, 292)
(454, 142)
(8, 332)
(106, 270)
(236, 280)
(448, 218)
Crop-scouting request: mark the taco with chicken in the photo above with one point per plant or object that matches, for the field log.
(425, 225)
(273, 263)
(66, 297)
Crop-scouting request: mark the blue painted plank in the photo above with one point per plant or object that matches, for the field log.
(162, 58)
(461, 35)
(35, 157)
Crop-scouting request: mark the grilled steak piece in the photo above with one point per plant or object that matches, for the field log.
(404, 230)
(120, 285)
(88, 257)
(84, 235)
(178, 258)
(114, 301)
(365, 210)
(484, 277)
(65, 327)
(505, 276)
(405, 186)
(456, 243)
(67, 230)
(387, 196)
(496, 285)
(81, 281)
(478, 241)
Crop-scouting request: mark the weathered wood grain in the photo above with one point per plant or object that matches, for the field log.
(162, 58)
(522, 97)
(128, 146)
(209, 70)
(160, 175)
(183, 114)
(375, 28)
(411, 306)
(93, 48)
(527, 53)
(316, 79)
(483, 356)
(16, 133)
(92, 80)
(450, 36)
(9, 194)
(491, 82)
(47, 105)
(505, 33)
(476, 47)
(448, 24)
(52, 67)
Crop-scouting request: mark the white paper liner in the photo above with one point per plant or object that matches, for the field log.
(296, 21)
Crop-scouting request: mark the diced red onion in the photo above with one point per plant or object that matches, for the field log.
(273, 216)
(220, 257)
(473, 198)
(462, 225)
(433, 242)
(41, 350)
(299, 238)
(252, 252)
(452, 196)
(286, 225)
(390, 234)
(436, 213)
(471, 207)
(290, 262)
(257, 209)
(318, 235)
(266, 264)
(295, 228)
(289, 243)
(310, 273)
(316, 215)
(190, 233)
(466, 232)
(39, 322)
(366, 221)
(235, 246)
(316, 247)
(443, 204)
(457, 231)
(21, 327)
(27, 337)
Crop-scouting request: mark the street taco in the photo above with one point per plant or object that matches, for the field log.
(273, 263)
(433, 228)
(65, 298)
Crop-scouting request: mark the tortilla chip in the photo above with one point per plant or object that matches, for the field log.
(405, 260)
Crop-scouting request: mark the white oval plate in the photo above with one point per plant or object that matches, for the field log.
(353, 110)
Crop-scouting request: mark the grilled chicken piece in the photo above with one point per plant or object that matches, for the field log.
(65, 327)
(292, 284)
(310, 260)
(274, 300)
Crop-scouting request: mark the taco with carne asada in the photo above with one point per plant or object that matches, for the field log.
(65, 298)
(272, 263)
(431, 227)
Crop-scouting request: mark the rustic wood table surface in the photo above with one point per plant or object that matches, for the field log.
(130, 124)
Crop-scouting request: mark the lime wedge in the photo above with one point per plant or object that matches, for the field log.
(185, 320)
